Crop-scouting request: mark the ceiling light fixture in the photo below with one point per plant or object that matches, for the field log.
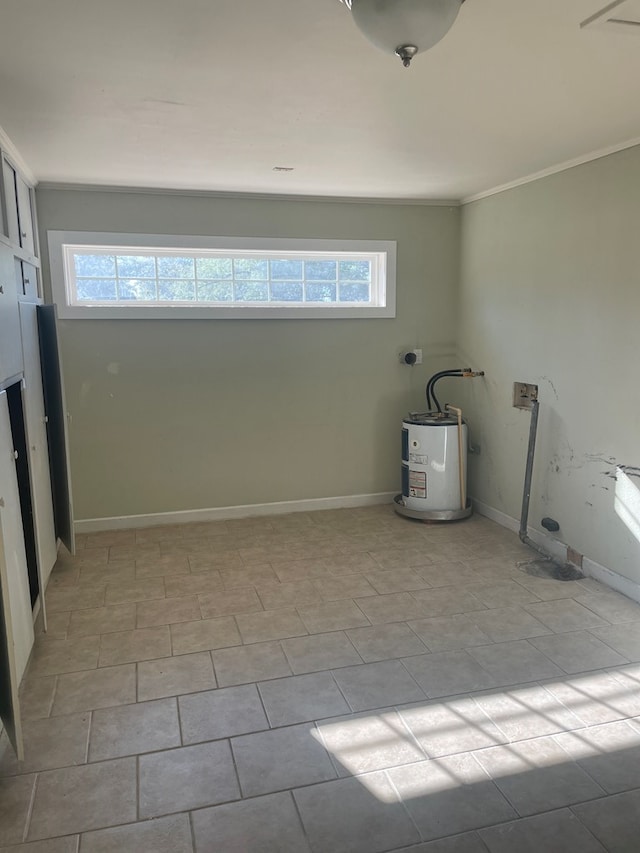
(404, 27)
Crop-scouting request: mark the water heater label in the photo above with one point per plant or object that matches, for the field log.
(417, 484)
(419, 458)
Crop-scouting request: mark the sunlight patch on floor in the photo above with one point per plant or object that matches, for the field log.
(464, 741)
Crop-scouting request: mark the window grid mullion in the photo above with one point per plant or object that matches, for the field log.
(233, 278)
(155, 263)
(370, 287)
(118, 291)
(195, 275)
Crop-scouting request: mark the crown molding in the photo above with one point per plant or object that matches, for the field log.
(553, 170)
(598, 154)
(248, 196)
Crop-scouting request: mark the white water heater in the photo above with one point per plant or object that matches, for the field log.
(434, 467)
(434, 458)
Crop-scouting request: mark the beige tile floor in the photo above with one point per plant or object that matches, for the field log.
(335, 682)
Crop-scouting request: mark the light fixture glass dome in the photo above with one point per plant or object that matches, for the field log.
(404, 27)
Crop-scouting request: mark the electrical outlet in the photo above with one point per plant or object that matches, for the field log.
(524, 395)
(418, 353)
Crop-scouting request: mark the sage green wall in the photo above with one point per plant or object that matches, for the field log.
(550, 293)
(180, 415)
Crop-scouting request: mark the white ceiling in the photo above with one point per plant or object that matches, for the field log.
(212, 94)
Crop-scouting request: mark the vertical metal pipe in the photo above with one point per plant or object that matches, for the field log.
(463, 493)
(524, 515)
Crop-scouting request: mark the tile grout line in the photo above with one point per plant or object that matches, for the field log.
(340, 690)
(608, 645)
(137, 788)
(229, 741)
(87, 744)
(576, 714)
(345, 631)
(29, 816)
(192, 831)
(419, 686)
(411, 734)
(583, 825)
(261, 698)
(179, 716)
(572, 760)
(54, 693)
(291, 793)
(401, 801)
(332, 757)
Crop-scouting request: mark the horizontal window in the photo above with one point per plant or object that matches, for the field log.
(152, 276)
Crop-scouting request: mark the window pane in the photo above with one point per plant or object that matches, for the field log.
(170, 267)
(321, 270)
(251, 268)
(290, 291)
(168, 276)
(94, 265)
(286, 269)
(214, 267)
(354, 293)
(215, 291)
(321, 292)
(92, 289)
(252, 291)
(177, 289)
(355, 270)
(136, 266)
(133, 288)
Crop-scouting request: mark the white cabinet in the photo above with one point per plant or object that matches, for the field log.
(33, 452)
(14, 555)
(10, 345)
(37, 444)
(25, 215)
(18, 204)
(27, 281)
(12, 227)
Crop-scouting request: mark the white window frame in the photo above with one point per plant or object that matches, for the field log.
(384, 287)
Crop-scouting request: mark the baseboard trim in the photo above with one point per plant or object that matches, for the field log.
(552, 546)
(558, 549)
(500, 518)
(222, 513)
(610, 578)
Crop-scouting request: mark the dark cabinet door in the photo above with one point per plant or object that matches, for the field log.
(57, 432)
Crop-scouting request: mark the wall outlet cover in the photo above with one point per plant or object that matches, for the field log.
(524, 395)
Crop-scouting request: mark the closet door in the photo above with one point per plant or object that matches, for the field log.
(9, 701)
(10, 350)
(25, 215)
(57, 434)
(16, 628)
(37, 445)
(11, 201)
